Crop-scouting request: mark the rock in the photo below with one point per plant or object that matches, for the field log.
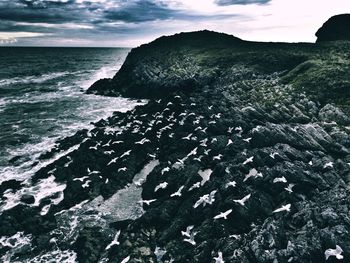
(27, 199)
(336, 28)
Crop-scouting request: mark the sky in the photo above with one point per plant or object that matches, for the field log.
(129, 23)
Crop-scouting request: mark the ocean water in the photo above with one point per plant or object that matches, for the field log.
(42, 99)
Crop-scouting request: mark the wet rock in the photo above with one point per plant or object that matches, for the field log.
(27, 199)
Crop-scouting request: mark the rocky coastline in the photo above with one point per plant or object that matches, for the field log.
(240, 154)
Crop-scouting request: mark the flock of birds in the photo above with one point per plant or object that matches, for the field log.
(162, 123)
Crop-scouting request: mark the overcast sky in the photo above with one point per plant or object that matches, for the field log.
(130, 23)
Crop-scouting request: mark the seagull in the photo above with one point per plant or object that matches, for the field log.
(117, 142)
(147, 202)
(229, 142)
(329, 164)
(230, 129)
(243, 200)
(191, 239)
(193, 152)
(196, 185)
(223, 214)
(249, 160)
(94, 147)
(334, 252)
(218, 157)
(122, 169)
(109, 152)
(127, 153)
(188, 137)
(272, 155)
(247, 140)
(283, 208)
(178, 192)
(86, 184)
(187, 233)
(206, 152)
(212, 122)
(92, 172)
(210, 107)
(166, 169)
(143, 141)
(310, 163)
(253, 173)
(115, 241)
(161, 186)
(152, 155)
(81, 179)
(280, 180)
(206, 199)
(289, 188)
(107, 144)
(113, 161)
(232, 183)
(199, 159)
(214, 140)
(204, 143)
(219, 258)
(239, 129)
(125, 260)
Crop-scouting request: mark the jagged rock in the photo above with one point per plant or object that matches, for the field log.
(336, 28)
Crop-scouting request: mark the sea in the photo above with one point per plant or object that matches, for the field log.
(43, 99)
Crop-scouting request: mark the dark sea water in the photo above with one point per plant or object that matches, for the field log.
(42, 99)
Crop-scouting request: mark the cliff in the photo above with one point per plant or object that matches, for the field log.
(242, 153)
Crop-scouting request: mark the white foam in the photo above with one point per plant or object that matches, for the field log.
(66, 256)
(44, 188)
(15, 243)
(33, 79)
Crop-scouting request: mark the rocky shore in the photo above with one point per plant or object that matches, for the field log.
(241, 154)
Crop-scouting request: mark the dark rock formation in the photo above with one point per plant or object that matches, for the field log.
(236, 120)
(336, 28)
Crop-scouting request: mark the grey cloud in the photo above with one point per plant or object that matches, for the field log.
(240, 2)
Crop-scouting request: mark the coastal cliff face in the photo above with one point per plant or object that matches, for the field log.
(241, 153)
(336, 28)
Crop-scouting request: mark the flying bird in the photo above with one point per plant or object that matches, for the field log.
(280, 180)
(249, 160)
(125, 260)
(147, 202)
(337, 252)
(218, 157)
(161, 186)
(243, 200)
(178, 192)
(247, 139)
(223, 214)
(187, 233)
(289, 188)
(283, 208)
(143, 141)
(196, 185)
(123, 169)
(114, 242)
(329, 164)
(219, 258)
(232, 183)
(166, 169)
(127, 153)
(229, 142)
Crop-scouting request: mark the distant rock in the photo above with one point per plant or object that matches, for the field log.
(28, 199)
(336, 28)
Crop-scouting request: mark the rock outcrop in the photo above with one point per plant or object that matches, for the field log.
(336, 28)
(242, 158)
